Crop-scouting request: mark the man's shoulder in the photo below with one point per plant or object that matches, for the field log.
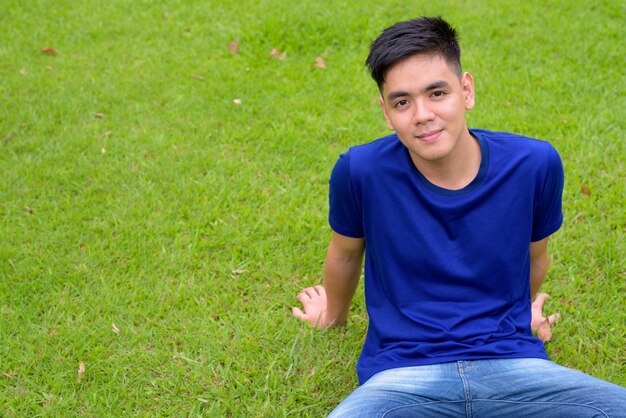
(387, 149)
(367, 156)
(385, 143)
(510, 139)
(527, 156)
(512, 147)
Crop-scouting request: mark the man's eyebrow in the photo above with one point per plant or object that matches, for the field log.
(395, 94)
(432, 86)
(437, 85)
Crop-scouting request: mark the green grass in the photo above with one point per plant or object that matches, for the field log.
(135, 192)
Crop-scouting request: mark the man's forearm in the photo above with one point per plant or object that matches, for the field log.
(538, 272)
(538, 265)
(341, 278)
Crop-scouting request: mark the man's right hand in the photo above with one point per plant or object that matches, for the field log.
(540, 324)
(313, 300)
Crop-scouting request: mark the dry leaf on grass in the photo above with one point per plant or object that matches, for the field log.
(278, 55)
(239, 272)
(234, 46)
(585, 190)
(49, 51)
(81, 371)
(319, 62)
(237, 101)
(114, 328)
(197, 76)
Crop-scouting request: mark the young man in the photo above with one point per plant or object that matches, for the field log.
(456, 225)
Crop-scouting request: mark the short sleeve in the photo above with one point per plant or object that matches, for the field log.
(548, 212)
(345, 215)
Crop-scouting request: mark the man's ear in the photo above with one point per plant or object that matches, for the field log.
(467, 82)
(382, 106)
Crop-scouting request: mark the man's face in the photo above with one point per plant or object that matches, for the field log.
(424, 101)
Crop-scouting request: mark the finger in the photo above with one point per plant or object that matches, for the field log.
(544, 333)
(311, 292)
(554, 318)
(308, 292)
(296, 312)
(320, 290)
(301, 297)
(537, 306)
(541, 298)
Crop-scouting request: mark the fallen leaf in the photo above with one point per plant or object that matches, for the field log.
(197, 76)
(585, 189)
(81, 371)
(107, 134)
(103, 150)
(545, 331)
(234, 46)
(237, 101)
(28, 209)
(99, 115)
(114, 328)
(23, 72)
(278, 55)
(239, 272)
(49, 51)
(319, 62)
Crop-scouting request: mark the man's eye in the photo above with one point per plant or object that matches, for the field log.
(401, 103)
(438, 93)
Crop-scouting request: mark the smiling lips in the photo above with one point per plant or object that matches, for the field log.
(429, 136)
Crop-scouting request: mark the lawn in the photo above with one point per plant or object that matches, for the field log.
(163, 191)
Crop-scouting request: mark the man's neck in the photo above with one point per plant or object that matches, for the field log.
(456, 170)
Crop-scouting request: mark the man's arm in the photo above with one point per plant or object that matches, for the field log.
(538, 271)
(329, 305)
(538, 265)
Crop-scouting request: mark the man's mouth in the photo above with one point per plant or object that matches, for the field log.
(429, 136)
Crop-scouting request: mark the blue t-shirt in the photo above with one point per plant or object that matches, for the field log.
(447, 273)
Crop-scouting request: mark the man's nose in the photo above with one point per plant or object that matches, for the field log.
(422, 113)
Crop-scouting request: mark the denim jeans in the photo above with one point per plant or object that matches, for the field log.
(485, 388)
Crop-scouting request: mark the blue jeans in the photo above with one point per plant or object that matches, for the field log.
(485, 388)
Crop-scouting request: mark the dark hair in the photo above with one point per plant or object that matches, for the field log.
(422, 36)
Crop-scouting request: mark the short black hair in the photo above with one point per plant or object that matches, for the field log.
(422, 36)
